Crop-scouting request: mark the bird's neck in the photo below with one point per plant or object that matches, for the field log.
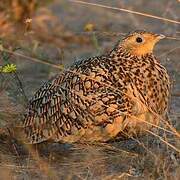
(121, 54)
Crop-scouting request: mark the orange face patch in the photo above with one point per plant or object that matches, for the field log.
(140, 44)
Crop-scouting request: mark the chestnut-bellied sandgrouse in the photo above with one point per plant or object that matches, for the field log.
(99, 98)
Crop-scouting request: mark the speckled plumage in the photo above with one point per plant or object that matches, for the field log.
(101, 97)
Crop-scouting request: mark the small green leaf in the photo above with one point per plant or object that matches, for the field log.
(9, 68)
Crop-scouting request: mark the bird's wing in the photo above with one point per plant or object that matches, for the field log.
(71, 101)
(81, 96)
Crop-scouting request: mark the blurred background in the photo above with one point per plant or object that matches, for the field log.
(38, 39)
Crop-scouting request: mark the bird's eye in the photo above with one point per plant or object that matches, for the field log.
(139, 40)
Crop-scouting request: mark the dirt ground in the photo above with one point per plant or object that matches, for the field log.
(60, 33)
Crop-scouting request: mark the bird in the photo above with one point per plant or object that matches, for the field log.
(124, 92)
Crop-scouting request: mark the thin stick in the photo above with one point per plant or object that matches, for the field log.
(126, 10)
(163, 141)
(32, 59)
(170, 51)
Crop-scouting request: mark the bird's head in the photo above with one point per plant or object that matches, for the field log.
(140, 43)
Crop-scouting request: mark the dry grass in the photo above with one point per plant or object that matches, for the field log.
(46, 42)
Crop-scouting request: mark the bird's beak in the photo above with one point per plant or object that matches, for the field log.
(160, 36)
